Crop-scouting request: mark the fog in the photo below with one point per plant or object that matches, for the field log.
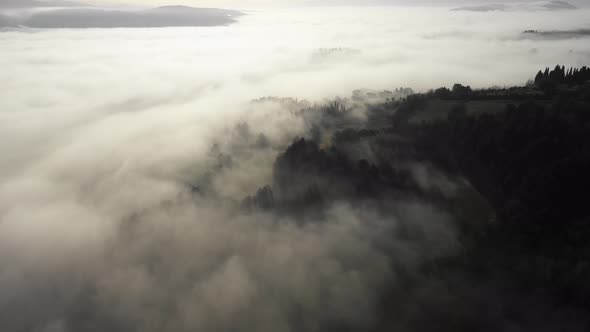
(107, 132)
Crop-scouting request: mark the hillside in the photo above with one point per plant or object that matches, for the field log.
(510, 167)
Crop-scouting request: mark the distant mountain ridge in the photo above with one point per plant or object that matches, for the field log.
(96, 17)
(37, 3)
(556, 34)
(550, 5)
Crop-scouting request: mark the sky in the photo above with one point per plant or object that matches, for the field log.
(275, 3)
(256, 3)
(280, 3)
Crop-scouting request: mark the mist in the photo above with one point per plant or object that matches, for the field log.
(119, 210)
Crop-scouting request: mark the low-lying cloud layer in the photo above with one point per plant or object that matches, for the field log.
(109, 135)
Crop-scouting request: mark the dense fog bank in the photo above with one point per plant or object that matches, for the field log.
(135, 161)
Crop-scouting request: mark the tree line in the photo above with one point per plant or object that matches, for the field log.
(560, 75)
